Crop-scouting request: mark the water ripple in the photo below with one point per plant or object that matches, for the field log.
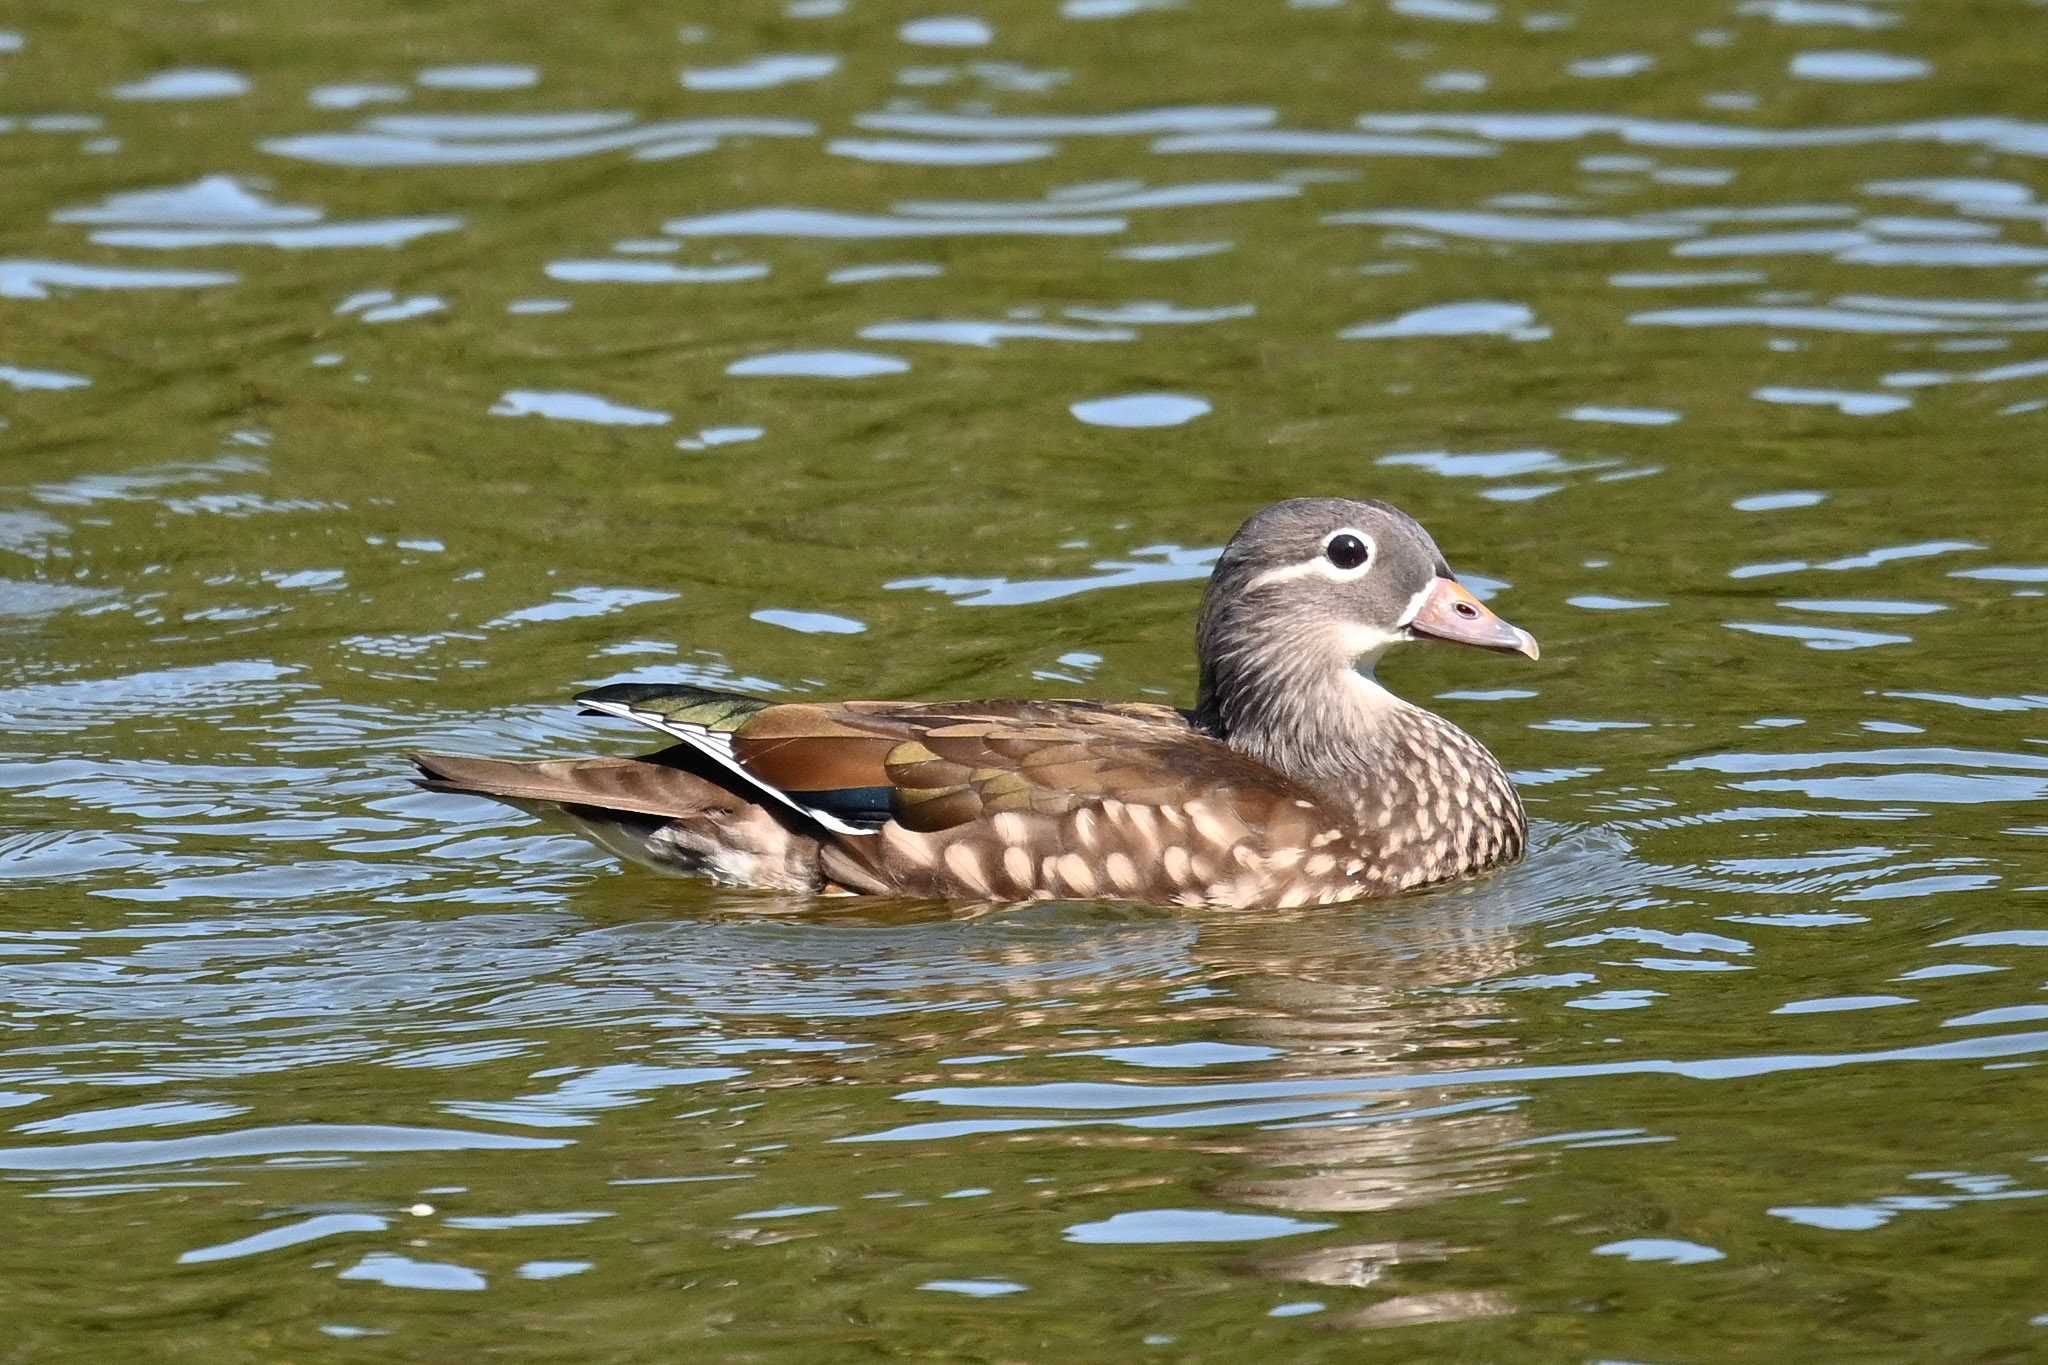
(802, 222)
(1518, 227)
(470, 140)
(764, 72)
(24, 279)
(1171, 119)
(260, 1142)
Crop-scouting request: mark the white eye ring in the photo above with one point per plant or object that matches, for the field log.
(1329, 565)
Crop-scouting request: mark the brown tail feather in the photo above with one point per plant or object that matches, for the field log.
(640, 786)
(646, 810)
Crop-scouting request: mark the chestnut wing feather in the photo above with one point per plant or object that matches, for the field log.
(944, 765)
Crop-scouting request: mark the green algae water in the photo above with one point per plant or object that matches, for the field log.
(373, 378)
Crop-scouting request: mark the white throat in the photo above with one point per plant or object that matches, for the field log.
(1367, 645)
(1360, 683)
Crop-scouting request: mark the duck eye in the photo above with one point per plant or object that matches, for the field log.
(1346, 551)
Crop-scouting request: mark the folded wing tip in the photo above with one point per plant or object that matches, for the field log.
(427, 763)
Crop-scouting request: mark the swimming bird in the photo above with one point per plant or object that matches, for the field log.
(1296, 779)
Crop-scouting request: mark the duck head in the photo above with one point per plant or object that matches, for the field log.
(1306, 598)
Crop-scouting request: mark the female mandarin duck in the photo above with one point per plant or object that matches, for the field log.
(1297, 779)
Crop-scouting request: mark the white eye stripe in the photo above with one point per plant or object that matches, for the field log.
(1414, 607)
(1320, 566)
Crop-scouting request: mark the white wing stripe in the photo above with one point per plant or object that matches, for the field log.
(718, 748)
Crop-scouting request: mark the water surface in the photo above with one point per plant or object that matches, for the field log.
(373, 380)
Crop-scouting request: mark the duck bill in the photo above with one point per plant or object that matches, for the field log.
(1448, 611)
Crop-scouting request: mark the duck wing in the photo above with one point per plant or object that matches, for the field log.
(1005, 799)
(856, 765)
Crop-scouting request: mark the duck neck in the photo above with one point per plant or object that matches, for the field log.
(1316, 718)
(1417, 785)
